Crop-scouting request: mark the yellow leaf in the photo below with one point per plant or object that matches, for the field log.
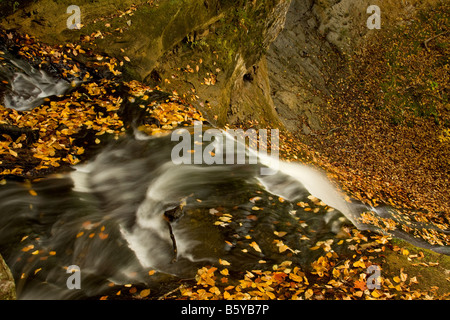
(295, 277)
(12, 152)
(224, 262)
(144, 293)
(280, 234)
(309, 293)
(397, 279)
(32, 192)
(255, 246)
(224, 272)
(403, 276)
(270, 295)
(359, 263)
(413, 280)
(28, 248)
(376, 294)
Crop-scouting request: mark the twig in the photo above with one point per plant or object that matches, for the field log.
(333, 129)
(174, 243)
(170, 292)
(434, 37)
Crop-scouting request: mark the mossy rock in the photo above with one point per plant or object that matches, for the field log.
(7, 286)
(431, 269)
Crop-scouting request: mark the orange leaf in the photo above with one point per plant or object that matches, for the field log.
(361, 285)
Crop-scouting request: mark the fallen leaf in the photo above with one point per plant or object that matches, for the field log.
(309, 293)
(144, 293)
(255, 246)
(224, 262)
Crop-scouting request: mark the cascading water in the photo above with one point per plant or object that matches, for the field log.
(108, 216)
(27, 87)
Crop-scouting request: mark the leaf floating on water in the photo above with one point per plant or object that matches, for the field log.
(280, 233)
(255, 246)
(103, 236)
(224, 272)
(28, 248)
(254, 199)
(144, 293)
(224, 262)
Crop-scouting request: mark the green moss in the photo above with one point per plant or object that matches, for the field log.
(430, 270)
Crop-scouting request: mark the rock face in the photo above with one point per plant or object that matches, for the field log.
(7, 286)
(272, 61)
(308, 54)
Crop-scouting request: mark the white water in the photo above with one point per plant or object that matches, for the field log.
(313, 180)
(29, 87)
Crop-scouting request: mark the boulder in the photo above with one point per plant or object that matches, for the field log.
(7, 286)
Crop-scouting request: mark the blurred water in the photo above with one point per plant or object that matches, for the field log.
(107, 217)
(27, 87)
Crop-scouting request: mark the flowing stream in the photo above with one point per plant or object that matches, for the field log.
(27, 87)
(108, 216)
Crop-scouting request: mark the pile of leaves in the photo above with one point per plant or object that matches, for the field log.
(330, 276)
(386, 136)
